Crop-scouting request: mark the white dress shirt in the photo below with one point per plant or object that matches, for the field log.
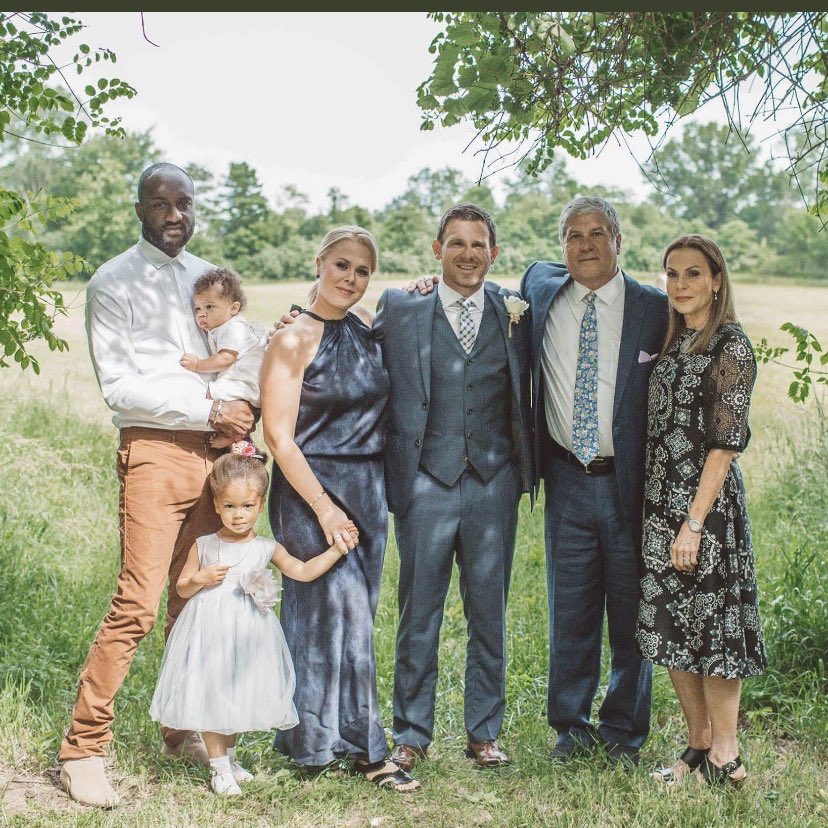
(139, 320)
(559, 358)
(449, 297)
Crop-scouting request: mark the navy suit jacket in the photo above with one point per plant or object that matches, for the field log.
(404, 325)
(644, 327)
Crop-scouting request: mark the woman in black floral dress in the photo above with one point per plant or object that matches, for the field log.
(698, 612)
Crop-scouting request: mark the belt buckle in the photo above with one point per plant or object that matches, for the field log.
(587, 469)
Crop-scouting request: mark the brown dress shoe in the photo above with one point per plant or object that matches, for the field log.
(487, 754)
(406, 756)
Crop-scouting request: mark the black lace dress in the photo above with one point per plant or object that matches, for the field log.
(705, 621)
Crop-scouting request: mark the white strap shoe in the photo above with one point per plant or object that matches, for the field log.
(224, 784)
(240, 773)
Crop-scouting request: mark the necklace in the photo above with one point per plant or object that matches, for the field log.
(244, 554)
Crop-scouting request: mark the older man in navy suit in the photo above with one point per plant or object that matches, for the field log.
(595, 335)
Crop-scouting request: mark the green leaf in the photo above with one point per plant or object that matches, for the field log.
(464, 34)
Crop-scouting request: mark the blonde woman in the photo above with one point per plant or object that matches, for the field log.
(698, 613)
(324, 392)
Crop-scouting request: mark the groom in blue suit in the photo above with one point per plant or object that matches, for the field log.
(458, 457)
(595, 335)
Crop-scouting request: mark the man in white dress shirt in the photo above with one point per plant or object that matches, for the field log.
(595, 335)
(139, 320)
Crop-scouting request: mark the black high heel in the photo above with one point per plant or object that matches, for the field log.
(721, 776)
(692, 757)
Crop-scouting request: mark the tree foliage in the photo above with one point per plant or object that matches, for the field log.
(535, 82)
(32, 108)
(709, 177)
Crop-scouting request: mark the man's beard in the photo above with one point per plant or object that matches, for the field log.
(156, 239)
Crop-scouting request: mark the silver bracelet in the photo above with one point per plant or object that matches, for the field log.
(215, 413)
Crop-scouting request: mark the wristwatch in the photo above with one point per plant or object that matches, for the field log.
(694, 525)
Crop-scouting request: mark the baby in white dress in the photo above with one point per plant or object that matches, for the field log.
(226, 667)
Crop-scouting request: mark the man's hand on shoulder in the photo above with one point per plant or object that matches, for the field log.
(425, 284)
(286, 319)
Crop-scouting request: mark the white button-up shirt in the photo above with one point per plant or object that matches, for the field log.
(559, 358)
(139, 320)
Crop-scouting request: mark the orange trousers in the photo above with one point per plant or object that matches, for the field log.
(165, 504)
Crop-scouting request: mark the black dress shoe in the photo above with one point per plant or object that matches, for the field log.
(569, 747)
(623, 754)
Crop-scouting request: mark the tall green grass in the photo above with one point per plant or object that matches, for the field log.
(58, 561)
(790, 527)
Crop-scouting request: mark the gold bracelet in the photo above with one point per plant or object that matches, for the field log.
(317, 498)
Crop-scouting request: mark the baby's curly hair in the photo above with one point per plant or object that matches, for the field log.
(228, 279)
(237, 468)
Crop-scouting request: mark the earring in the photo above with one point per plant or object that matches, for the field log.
(715, 295)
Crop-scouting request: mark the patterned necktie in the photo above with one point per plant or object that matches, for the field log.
(467, 331)
(585, 412)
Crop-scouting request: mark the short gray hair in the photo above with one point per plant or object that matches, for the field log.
(588, 204)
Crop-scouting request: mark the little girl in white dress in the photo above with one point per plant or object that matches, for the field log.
(226, 666)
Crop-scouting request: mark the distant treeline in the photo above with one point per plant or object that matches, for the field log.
(702, 183)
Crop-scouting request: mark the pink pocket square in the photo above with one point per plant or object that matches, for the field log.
(643, 356)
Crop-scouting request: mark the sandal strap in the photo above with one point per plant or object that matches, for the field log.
(364, 768)
(391, 779)
(666, 775)
(732, 766)
(693, 757)
(715, 775)
(382, 778)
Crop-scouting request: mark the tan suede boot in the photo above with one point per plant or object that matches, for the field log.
(85, 781)
(192, 748)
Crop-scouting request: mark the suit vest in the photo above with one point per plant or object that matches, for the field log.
(469, 417)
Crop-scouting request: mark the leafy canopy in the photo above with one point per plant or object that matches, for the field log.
(534, 82)
(33, 109)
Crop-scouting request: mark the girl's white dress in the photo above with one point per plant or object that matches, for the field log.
(226, 667)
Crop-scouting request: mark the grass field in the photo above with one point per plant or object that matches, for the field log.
(59, 557)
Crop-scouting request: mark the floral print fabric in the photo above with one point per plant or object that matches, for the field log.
(705, 621)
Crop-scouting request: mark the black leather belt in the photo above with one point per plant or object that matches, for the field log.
(598, 465)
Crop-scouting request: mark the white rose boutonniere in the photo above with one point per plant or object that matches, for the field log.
(515, 307)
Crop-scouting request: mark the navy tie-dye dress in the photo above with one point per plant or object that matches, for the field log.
(329, 623)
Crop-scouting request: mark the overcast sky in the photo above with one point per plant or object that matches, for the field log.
(317, 99)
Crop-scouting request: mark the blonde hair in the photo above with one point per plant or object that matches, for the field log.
(351, 232)
(723, 309)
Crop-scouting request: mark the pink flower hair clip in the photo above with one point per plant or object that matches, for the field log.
(246, 449)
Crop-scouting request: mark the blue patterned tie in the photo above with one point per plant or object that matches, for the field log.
(467, 330)
(585, 412)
